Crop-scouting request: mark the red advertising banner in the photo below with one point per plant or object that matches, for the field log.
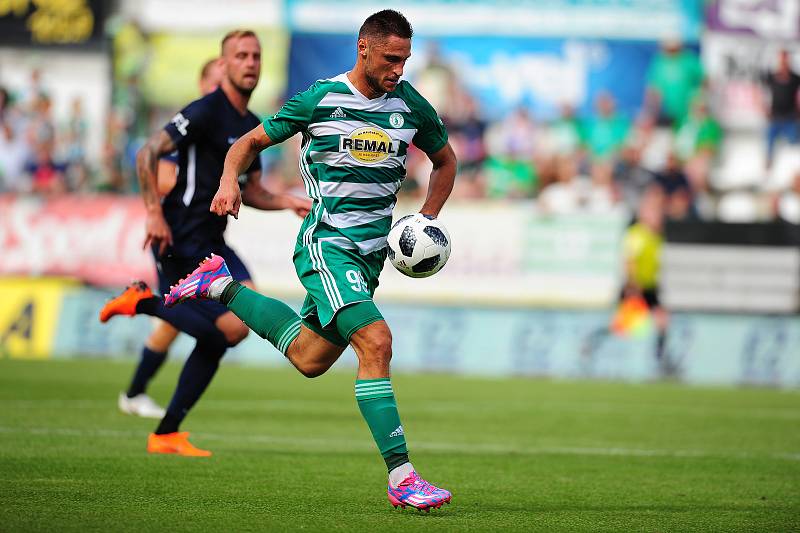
(97, 239)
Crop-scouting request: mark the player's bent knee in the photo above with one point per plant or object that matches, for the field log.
(373, 342)
(312, 370)
(235, 330)
(237, 335)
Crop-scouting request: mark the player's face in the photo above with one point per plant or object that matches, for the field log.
(384, 60)
(242, 59)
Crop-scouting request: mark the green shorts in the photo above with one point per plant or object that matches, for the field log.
(336, 278)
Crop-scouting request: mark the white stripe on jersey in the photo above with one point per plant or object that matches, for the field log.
(336, 300)
(358, 102)
(323, 274)
(355, 218)
(191, 178)
(334, 189)
(312, 189)
(343, 159)
(363, 247)
(346, 127)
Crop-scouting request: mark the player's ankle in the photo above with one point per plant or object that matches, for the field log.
(218, 286)
(398, 474)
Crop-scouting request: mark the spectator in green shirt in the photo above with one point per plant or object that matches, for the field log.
(673, 78)
(606, 131)
(697, 142)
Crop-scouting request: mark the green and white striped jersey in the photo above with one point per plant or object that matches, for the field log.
(353, 156)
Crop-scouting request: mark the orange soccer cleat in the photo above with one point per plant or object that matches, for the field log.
(125, 303)
(177, 443)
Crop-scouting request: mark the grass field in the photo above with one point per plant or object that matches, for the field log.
(292, 454)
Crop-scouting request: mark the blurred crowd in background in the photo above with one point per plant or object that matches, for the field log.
(589, 162)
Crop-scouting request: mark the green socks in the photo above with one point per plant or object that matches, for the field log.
(279, 324)
(271, 319)
(376, 401)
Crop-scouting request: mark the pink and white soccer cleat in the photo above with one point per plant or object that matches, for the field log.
(417, 493)
(198, 283)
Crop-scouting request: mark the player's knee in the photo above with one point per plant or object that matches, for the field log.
(236, 334)
(378, 347)
(312, 370)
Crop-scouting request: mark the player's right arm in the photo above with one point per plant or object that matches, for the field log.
(238, 159)
(156, 228)
(292, 118)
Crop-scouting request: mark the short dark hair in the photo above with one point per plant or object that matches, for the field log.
(385, 23)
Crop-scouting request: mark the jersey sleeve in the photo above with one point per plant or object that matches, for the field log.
(188, 124)
(431, 136)
(294, 116)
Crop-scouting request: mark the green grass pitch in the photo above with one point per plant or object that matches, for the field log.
(294, 454)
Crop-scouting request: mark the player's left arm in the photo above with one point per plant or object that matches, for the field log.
(441, 182)
(254, 195)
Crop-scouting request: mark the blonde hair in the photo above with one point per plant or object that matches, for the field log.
(236, 34)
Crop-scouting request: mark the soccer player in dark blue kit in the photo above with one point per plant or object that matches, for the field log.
(182, 231)
(135, 400)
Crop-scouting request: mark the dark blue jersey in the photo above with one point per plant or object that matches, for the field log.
(203, 131)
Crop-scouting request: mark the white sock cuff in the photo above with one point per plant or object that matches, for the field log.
(217, 286)
(399, 473)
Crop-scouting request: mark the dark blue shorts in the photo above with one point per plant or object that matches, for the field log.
(172, 268)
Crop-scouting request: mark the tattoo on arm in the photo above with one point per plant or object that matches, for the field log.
(157, 145)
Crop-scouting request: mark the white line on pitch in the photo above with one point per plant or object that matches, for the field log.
(326, 444)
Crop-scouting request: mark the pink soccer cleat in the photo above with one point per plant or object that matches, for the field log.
(417, 493)
(198, 283)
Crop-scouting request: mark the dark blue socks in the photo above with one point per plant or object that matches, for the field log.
(149, 364)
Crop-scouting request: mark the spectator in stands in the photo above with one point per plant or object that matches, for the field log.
(631, 177)
(74, 147)
(782, 85)
(605, 132)
(786, 205)
(510, 170)
(673, 78)
(562, 137)
(46, 176)
(14, 151)
(41, 129)
(567, 194)
(678, 193)
(466, 133)
(602, 194)
(697, 142)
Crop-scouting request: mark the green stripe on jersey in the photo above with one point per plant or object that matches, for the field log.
(355, 174)
(350, 139)
(345, 204)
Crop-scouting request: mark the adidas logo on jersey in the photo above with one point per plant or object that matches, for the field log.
(397, 432)
(338, 113)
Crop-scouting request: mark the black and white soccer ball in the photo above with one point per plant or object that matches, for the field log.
(418, 246)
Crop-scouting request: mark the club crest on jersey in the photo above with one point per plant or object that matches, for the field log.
(368, 145)
(396, 120)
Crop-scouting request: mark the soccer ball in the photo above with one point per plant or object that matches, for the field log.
(418, 247)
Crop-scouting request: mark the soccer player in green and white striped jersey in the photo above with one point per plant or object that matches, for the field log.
(357, 128)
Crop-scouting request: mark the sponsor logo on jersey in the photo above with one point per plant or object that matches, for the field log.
(368, 145)
(396, 120)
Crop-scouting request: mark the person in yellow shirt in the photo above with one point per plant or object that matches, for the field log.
(639, 301)
(642, 260)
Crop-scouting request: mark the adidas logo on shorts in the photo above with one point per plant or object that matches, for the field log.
(338, 113)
